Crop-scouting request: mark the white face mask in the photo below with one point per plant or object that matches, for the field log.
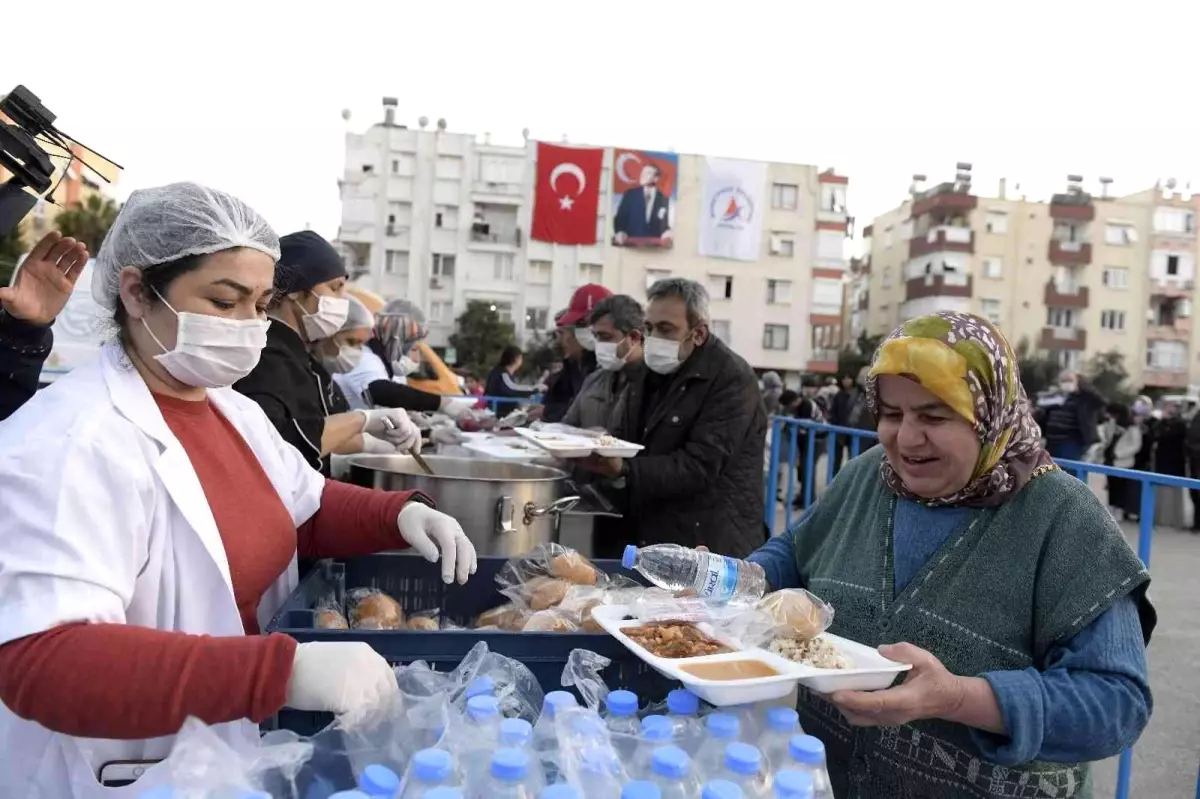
(606, 356)
(211, 352)
(662, 355)
(329, 318)
(1068, 387)
(346, 360)
(406, 366)
(585, 337)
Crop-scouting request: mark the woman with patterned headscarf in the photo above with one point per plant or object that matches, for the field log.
(957, 546)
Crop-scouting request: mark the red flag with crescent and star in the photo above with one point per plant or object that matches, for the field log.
(566, 197)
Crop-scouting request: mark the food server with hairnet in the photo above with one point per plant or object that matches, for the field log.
(153, 518)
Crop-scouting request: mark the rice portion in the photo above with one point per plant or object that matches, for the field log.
(818, 653)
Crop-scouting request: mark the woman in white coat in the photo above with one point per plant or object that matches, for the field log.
(152, 519)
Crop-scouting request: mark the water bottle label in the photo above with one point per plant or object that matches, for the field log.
(720, 579)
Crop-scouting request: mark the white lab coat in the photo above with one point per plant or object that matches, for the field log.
(104, 520)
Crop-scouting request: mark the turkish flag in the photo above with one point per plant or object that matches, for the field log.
(566, 196)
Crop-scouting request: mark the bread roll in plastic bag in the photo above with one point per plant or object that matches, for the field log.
(371, 609)
(797, 613)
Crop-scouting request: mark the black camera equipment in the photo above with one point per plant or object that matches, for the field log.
(30, 126)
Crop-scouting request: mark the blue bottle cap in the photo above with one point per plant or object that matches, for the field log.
(481, 686)
(510, 765)
(743, 758)
(378, 780)
(683, 702)
(723, 726)
(640, 789)
(791, 784)
(621, 703)
(783, 719)
(807, 750)
(556, 701)
(629, 556)
(721, 789)
(561, 791)
(587, 726)
(671, 762)
(515, 732)
(432, 765)
(444, 792)
(657, 728)
(482, 708)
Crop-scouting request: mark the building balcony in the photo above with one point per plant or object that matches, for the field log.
(1072, 207)
(1171, 288)
(945, 285)
(942, 239)
(1070, 253)
(863, 301)
(823, 361)
(1063, 338)
(498, 192)
(1164, 378)
(1065, 296)
(486, 239)
(950, 198)
(1180, 331)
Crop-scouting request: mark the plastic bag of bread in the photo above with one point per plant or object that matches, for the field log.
(578, 604)
(797, 613)
(510, 617)
(426, 621)
(330, 616)
(550, 621)
(371, 609)
(538, 593)
(546, 562)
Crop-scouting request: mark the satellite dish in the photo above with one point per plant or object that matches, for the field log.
(442, 123)
(346, 114)
(525, 134)
(1170, 183)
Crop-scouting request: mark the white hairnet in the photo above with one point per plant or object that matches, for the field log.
(358, 316)
(171, 222)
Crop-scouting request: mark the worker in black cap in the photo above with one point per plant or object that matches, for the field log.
(291, 385)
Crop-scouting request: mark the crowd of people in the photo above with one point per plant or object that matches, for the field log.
(157, 501)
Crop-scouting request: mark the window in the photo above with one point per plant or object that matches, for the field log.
(720, 329)
(887, 236)
(1112, 320)
(539, 272)
(1069, 360)
(1060, 317)
(395, 167)
(1168, 355)
(536, 318)
(396, 263)
(367, 169)
(783, 244)
(1174, 220)
(1172, 265)
(1119, 234)
(785, 196)
(779, 292)
(833, 198)
(993, 268)
(502, 268)
(443, 265)
(827, 294)
(775, 337)
(990, 309)
(591, 273)
(720, 287)
(449, 167)
(997, 222)
(441, 311)
(437, 219)
(655, 275)
(1115, 277)
(887, 277)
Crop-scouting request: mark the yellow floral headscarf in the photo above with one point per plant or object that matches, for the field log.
(964, 361)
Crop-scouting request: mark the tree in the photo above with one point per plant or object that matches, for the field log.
(1038, 371)
(12, 247)
(480, 337)
(855, 356)
(88, 221)
(541, 352)
(1107, 373)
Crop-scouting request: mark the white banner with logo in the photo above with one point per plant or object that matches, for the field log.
(733, 197)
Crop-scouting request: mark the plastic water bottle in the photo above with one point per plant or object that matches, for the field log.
(721, 729)
(623, 725)
(599, 773)
(721, 789)
(673, 773)
(782, 724)
(792, 784)
(749, 717)
(545, 734)
(518, 734)
(711, 576)
(349, 795)
(509, 776)
(379, 782)
(656, 731)
(480, 686)
(429, 769)
(683, 708)
(483, 720)
(744, 767)
(641, 789)
(561, 791)
(445, 792)
(807, 754)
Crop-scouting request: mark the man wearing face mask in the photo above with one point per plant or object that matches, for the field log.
(578, 345)
(699, 413)
(616, 324)
(290, 383)
(1071, 426)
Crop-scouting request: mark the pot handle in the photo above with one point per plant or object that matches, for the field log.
(504, 515)
(556, 507)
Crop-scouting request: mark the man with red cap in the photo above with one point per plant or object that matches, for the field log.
(578, 344)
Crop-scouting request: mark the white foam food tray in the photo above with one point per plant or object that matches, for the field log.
(507, 448)
(871, 671)
(563, 444)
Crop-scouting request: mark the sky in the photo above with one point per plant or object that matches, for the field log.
(248, 96)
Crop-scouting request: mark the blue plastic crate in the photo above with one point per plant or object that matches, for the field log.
(417, 585)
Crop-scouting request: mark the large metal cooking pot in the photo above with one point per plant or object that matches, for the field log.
(505, 508)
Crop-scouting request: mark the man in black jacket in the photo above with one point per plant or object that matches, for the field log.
(698, 412)
(27, 309)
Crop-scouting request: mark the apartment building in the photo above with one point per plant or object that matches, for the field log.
(442, 218)
(1079, 275)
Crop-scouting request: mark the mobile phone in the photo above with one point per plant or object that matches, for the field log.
(119, 773)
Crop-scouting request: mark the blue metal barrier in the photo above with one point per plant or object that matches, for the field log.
(824, 439)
